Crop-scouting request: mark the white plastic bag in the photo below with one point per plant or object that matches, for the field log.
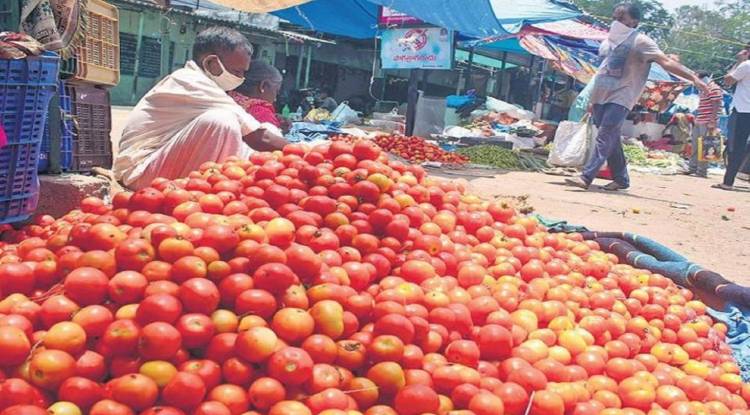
(573, 143)
(345, 114)
(494, 104)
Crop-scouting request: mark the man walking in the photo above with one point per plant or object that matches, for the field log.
(706, 122)
(618, 84)
(739, 121)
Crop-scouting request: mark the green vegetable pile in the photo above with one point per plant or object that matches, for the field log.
(638, 156)
(635, 155)
(500, 157)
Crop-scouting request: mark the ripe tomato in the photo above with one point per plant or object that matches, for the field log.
(185, 391)
(83, 392)
(159, 341)
(134, 390)
(291, 366)
(14, 346)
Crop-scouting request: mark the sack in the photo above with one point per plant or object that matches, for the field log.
(345, 114)
(710, 148)
(572, 144)
(496, 105)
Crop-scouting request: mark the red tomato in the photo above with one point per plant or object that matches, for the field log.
(134, 390)
(86, 286)
(159, 341)
(291, 366)
(185, 391)
(80, 391)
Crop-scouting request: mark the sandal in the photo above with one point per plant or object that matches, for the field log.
(577, 182)
(614, 187)
(722, 186)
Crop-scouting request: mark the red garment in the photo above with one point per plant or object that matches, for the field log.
(3, 137)
(261, 110)
(710, 105)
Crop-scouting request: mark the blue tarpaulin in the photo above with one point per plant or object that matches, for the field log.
(737, 320)
(511, 45)
(352, 18)
(478, 18)
(482, 18)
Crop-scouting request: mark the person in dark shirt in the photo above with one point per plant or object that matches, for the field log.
(327, 102)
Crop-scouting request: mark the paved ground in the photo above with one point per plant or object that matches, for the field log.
(683, 213)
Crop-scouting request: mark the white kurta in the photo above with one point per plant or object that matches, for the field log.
(184, 121)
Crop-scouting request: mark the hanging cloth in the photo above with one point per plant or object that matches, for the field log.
(57, 24)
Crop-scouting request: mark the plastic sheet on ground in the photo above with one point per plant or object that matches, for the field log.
(738, 336)
(305, 131)
(559, 226)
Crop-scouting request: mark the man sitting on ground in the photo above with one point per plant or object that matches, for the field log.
(188, 118)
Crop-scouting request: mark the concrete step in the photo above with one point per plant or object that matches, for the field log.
(60, 194)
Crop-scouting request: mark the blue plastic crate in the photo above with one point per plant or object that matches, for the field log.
(66, 134)
(26, 86)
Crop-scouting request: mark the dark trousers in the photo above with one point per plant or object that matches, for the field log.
(608, 118)
(738, 144)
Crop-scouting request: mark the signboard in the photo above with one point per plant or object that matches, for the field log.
(390, 17)
(417, 48)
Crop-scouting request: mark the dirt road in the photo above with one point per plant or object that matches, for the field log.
(710, 227)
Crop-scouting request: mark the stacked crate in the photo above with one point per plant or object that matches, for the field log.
(94, 67)
(26, 88)
(66, 133)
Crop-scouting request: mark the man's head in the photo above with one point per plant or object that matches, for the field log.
(628, 14)
(218, 47)
(705, 76)
(744, 54)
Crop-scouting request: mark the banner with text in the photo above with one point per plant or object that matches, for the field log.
(390, 17)
(417, 48)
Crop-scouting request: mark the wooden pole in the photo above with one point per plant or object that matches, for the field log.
(136, 64)
(469, 82)
(412, 97)
(307, 66)
(502, 75)
(298, 75)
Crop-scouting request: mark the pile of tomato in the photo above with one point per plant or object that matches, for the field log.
(417, 150)
(331, 281)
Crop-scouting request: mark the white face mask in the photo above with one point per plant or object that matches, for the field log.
(618, 32)
(226, 80)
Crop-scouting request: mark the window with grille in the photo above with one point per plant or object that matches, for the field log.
(128, 43)
(149, 59)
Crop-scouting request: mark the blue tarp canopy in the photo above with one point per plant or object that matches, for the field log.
(482, 18)
(352, 18)
(487, 61)
(477, 18)
(588, 50)
(511, 45)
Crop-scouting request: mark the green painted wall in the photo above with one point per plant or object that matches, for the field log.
(166, 42)
(9, 15)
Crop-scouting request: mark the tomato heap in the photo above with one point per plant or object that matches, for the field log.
(332, 281)
(417, 150)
